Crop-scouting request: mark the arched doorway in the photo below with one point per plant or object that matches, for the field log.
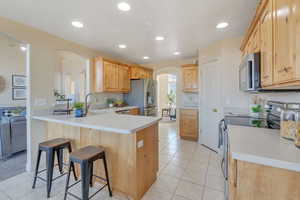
(167, 95)
(72, 76)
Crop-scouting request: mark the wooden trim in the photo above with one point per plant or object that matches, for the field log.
(259, 11)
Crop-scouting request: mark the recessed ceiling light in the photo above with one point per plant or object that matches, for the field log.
(23, 47)
(176, 53)
(146, 57)
(122, 46)
(124, 6)
(77, 24)
(159, 38)
(222, 25)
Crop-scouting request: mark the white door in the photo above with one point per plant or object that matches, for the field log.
(210, 109)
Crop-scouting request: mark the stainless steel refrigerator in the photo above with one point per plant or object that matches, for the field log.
(143, 95)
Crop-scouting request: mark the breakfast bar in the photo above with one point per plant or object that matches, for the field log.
(131, 144)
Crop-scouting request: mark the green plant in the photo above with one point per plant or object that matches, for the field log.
(110, 101)
(257, 109)
(171, 97)
(78, 105)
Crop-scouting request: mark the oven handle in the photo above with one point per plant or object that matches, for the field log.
(221, 136)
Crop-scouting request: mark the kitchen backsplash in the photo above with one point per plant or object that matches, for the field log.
(102, 97)
(190, 99)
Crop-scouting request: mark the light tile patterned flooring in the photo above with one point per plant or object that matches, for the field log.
(188, 171)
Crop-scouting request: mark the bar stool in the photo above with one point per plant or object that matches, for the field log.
(51, 147)
(86, 156)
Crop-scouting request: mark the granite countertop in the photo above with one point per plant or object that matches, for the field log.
(110, 121)
(263, 146)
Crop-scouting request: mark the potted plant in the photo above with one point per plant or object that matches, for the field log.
(78, 106)
(256, 110)
(110, 102)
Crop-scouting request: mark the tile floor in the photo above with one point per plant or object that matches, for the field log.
(188, 171)
(14, 165)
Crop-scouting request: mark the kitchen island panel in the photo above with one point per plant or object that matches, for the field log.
(132, 158)
(251, 181)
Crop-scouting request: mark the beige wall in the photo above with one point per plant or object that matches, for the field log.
(12, 61)
(229, 55)
(43, 61)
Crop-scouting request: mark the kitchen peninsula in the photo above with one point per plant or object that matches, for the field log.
(131, 143)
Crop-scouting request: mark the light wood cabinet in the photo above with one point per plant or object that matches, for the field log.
(266, 25)
(249, 181)
(190, 78)
(278, 24)
(285, 40)
(124, 78)
(189, 124)
(134, 111)
(138, 72)
(110, 76)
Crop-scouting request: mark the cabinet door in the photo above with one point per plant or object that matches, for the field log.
(190, 79)
(285, 40)
(110, 77)
(189, 124)
(256, 39)
(266, 26)
(124, 82)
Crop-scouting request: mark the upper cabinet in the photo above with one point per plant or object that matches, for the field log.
(138, 72)
(276, 27)
(110, 76)
(190, 78)
(266, 47)
(285, 37)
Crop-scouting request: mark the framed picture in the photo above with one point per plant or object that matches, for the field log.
(19, 93)
(18, 81)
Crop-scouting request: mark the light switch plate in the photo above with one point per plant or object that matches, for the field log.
(140, 144)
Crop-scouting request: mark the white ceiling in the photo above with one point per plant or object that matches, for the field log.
(187, 25)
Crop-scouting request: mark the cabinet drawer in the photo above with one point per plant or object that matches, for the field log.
(189, 112)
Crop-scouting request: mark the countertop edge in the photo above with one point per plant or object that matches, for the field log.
(266, 161)
(121, 131)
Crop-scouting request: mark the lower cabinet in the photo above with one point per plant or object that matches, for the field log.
(189, 124)
(134, 111)
(249, 181)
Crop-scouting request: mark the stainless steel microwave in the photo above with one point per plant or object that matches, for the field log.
(250, 73)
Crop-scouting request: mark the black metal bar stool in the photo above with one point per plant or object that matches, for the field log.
(86, 156)
(51, 147)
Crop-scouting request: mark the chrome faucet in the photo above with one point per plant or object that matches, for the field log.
(86, 102)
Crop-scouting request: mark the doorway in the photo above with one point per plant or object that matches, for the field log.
(14, 106)
(167, 97)
(72, 77)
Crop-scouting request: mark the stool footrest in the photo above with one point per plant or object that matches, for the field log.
(103, 179)
(73, 195)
